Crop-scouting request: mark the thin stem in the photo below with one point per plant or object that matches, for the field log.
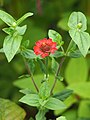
(31, 75)
(59, 69)
(39, 8)
(46, 64)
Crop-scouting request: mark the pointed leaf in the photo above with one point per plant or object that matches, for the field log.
(75, 19)
(55, 36)
(8, 19)
(30, 99)
(8, 30)
(57, 54)
(11, 46)
(63, 94)
(19, 21)
(54, 65)
(44, 91)
(54, 104)
(82, 40)
(28, 54)
(21, 30)
(42, 66)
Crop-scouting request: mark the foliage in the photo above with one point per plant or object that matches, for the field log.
(76, 71)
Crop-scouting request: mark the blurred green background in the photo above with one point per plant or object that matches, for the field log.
(48, 14)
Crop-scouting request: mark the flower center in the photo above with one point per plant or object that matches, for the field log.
(45, 48)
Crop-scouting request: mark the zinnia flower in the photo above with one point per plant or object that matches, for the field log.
(44, 47)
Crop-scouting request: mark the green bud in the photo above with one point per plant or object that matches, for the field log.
(14, 24)
(79, 25)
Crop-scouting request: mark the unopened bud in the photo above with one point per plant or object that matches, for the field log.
(79, 25)
(14, 24)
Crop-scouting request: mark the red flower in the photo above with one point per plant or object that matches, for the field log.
(45, 47)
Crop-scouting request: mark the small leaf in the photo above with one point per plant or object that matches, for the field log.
(19, 21)
(54, 65)
(74, 54)
(57, 54)
(25, 43)
(82, 40)
(10, 111)
(27, 91)
(28, 54)
(8, 30)
(30, 99)
(75, 19)
(55, 36)
(61, 118)
(21, 30)
(41, 115)
(63, 95)
(44, 91)
(54, 104)
(31, 65)
(8, 19)
(42, 66)
(11, 46)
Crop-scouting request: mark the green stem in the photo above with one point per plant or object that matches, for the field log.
(31, 75)
(55, 79)
(46, 64)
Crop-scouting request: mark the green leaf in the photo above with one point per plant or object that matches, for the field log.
(55, 36)
(19, 21)
(42, 66)
(82, 39)
(26, 91)
(57, 54)
(54, 65)
(63, 94)
(69, 103)
(75, 19)
(28, 54)
(31, 99)
(82, 89)
(11, 46)
(70, 114)
(75, 54)
(1, 50)
(84, 109)
(21, 30)
(31, 65)
(41, 115)
(44, 91)
(10, 111)
(54, 104)
(61, 118)
(8, 30)
(25, 43)
(71, 47)
(8, 19)
(75, 69)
